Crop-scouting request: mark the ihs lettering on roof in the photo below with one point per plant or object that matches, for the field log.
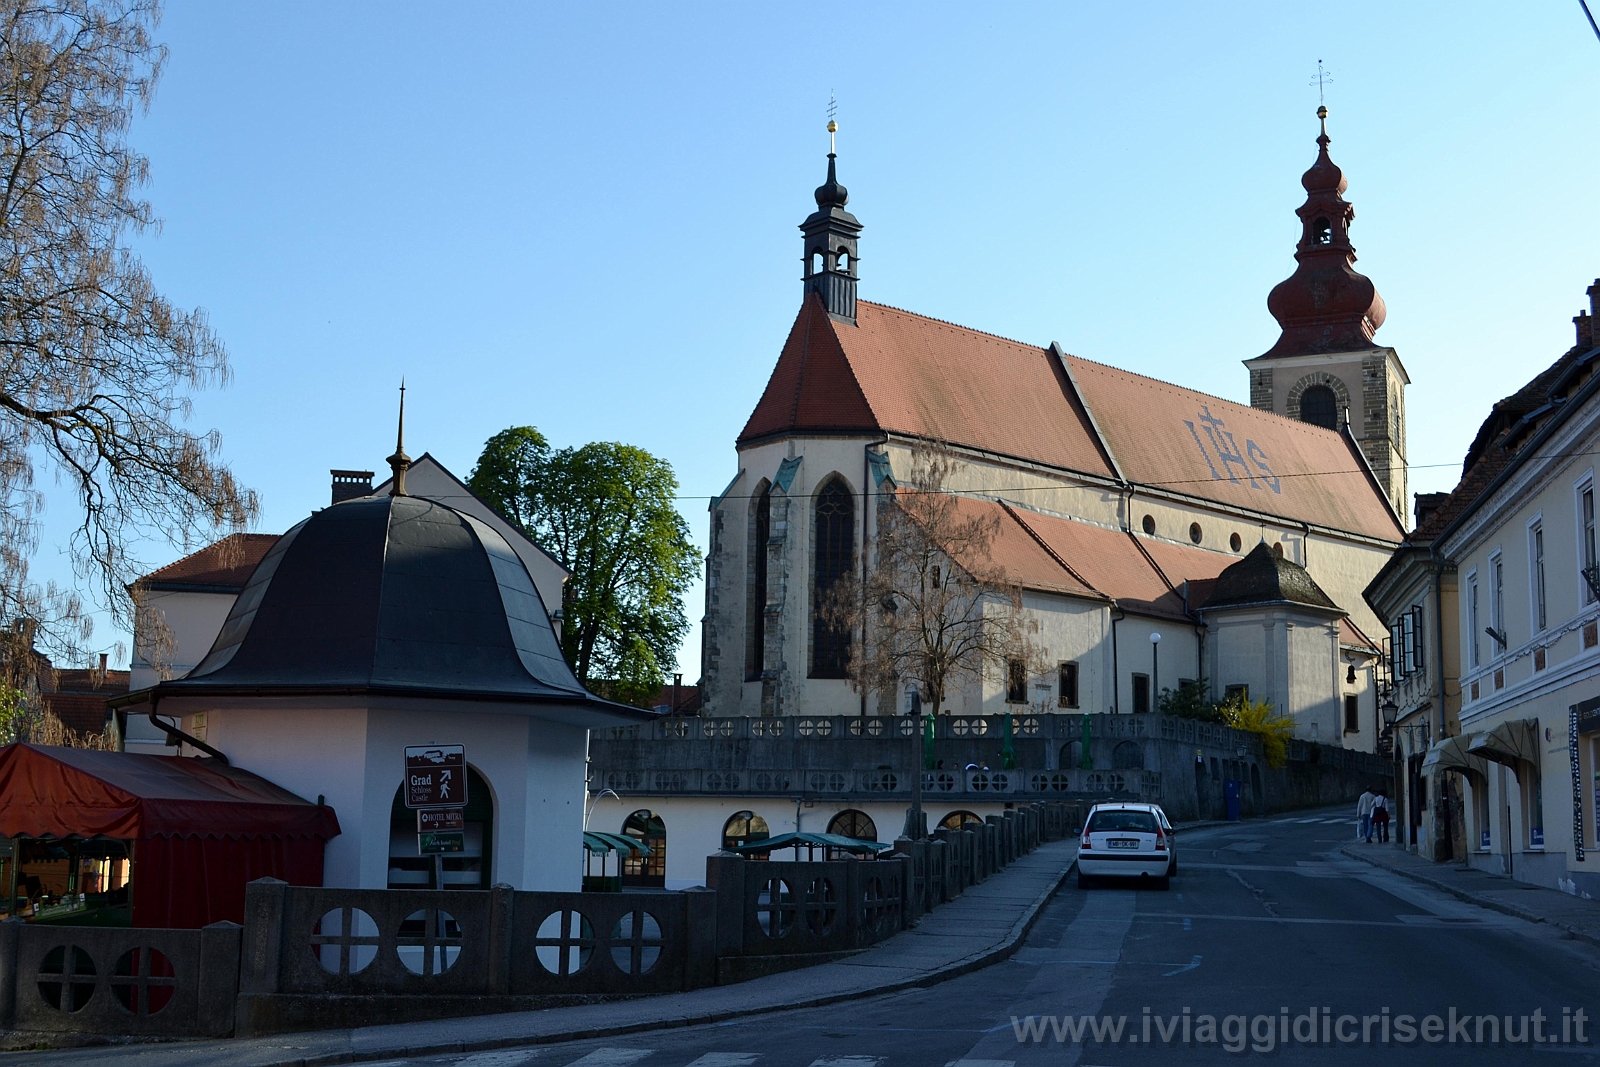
(1228, 453)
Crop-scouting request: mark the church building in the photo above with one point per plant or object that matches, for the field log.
(1126, 505)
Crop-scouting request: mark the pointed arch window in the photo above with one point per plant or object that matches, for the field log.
(833, 557)
(1319, 407)
(755, 609)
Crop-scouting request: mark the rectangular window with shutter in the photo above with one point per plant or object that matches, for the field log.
(1016, 682)
(1419, 641)
(1352, 714)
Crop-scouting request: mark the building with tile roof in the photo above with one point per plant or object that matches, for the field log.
(1121, 499)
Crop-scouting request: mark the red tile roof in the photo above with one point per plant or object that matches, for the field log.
(896, 372)
(223, 565)
(78, 697)
(1168, 437)
(902, 373)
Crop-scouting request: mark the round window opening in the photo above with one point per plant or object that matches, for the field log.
(1150, 524)
(1235, 541)
(1194, 532)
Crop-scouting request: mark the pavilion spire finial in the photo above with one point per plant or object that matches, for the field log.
(400, 462)
(830, 238)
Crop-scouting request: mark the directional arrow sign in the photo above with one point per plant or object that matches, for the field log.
(436, 776)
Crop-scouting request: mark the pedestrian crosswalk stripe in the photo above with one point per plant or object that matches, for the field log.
(612, 1057)
(515, 1057)
(848, 1061)
(726, 1059)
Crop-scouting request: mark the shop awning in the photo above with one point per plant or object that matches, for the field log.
(1451, 754)
(598, 843)
(75, 792)
(1513, 742)
(809, 840)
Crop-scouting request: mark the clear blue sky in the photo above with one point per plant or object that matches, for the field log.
(583, 216)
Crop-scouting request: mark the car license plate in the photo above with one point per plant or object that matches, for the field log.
(1123, 842)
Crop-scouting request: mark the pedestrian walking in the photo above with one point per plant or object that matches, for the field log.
(1364, 815)
(1380, 817)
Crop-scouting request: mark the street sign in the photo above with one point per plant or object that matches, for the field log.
(439, 820)
(438, 844)
(436, 776)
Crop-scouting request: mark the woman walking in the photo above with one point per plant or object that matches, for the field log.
(1380, 816)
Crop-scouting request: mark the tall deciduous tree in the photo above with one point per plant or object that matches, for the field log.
(933, 610)
(605, 512)
(96, 368)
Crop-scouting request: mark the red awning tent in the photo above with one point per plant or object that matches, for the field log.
(201, 829)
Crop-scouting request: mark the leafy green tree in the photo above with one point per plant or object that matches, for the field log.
(605, 511)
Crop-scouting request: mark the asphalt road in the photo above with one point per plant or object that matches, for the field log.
(1265, 921)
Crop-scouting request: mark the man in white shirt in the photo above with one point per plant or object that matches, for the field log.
(1364, 815)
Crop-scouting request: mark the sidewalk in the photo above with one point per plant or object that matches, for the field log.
(1578, 917)
(985, 924)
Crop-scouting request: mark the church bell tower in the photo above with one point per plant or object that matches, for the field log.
(830, 244)
(1326, 368)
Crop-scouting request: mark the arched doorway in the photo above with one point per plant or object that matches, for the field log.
(851, 823)
(471, 868)
(958, 820)
(744, 827)
(1128, 756)
(646, 871)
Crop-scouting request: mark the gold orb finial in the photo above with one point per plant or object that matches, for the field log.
(833, 127)
(1322, 112)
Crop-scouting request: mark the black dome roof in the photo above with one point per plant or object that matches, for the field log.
(391, 594)
(1264, 577)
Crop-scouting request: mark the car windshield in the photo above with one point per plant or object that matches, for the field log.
(1139, 822)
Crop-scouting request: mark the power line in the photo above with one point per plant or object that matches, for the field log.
(1596, 28)
(1179, 481)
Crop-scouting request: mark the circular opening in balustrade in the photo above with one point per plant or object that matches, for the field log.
(775, 907)
(345, 940)
(66, 978)
(822, 906)
(144, 980)
(565, 942)
(428, 946)
(636, 942)
(873, 904)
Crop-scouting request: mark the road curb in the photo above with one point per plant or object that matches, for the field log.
(1474, 898)
(1004, 949)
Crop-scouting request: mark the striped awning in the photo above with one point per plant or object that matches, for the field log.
(597, 842)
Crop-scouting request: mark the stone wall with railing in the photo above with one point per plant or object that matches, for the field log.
(310, 958)
(1182, 764)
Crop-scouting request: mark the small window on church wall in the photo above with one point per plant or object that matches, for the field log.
(1277, 550)
(1195, 532)
(1322, 232)
(1150, 524)
(1319, 407)
(1235, 542)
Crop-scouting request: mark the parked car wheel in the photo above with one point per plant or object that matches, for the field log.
(1084, 881)
(1172, 869)
(1163, 883)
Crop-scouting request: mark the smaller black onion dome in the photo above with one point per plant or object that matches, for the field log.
(830, 193)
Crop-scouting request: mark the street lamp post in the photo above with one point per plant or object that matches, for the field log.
(1155, 669)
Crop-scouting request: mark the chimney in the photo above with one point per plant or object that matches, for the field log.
(1585, 326)
(348, 485)
(103, 658)
(1427, 504)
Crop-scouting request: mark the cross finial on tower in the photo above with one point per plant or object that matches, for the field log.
(833, 126)
(1324, 78)
(400, 462)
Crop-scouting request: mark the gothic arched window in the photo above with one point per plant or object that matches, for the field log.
(833, 556)
(1319, 407)
(755, 609)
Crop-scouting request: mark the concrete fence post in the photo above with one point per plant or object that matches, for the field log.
(10, 942)
(700, 915)
(262, 952)
(502, 904)
(725, 875)
(220, 945)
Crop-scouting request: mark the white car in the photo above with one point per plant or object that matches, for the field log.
(1127, 840)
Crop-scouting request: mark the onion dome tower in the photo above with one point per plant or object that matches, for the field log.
(1326, 369)
(1325, 305)
(830, 244)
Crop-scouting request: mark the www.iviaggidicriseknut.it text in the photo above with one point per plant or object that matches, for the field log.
(1312, 1028)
